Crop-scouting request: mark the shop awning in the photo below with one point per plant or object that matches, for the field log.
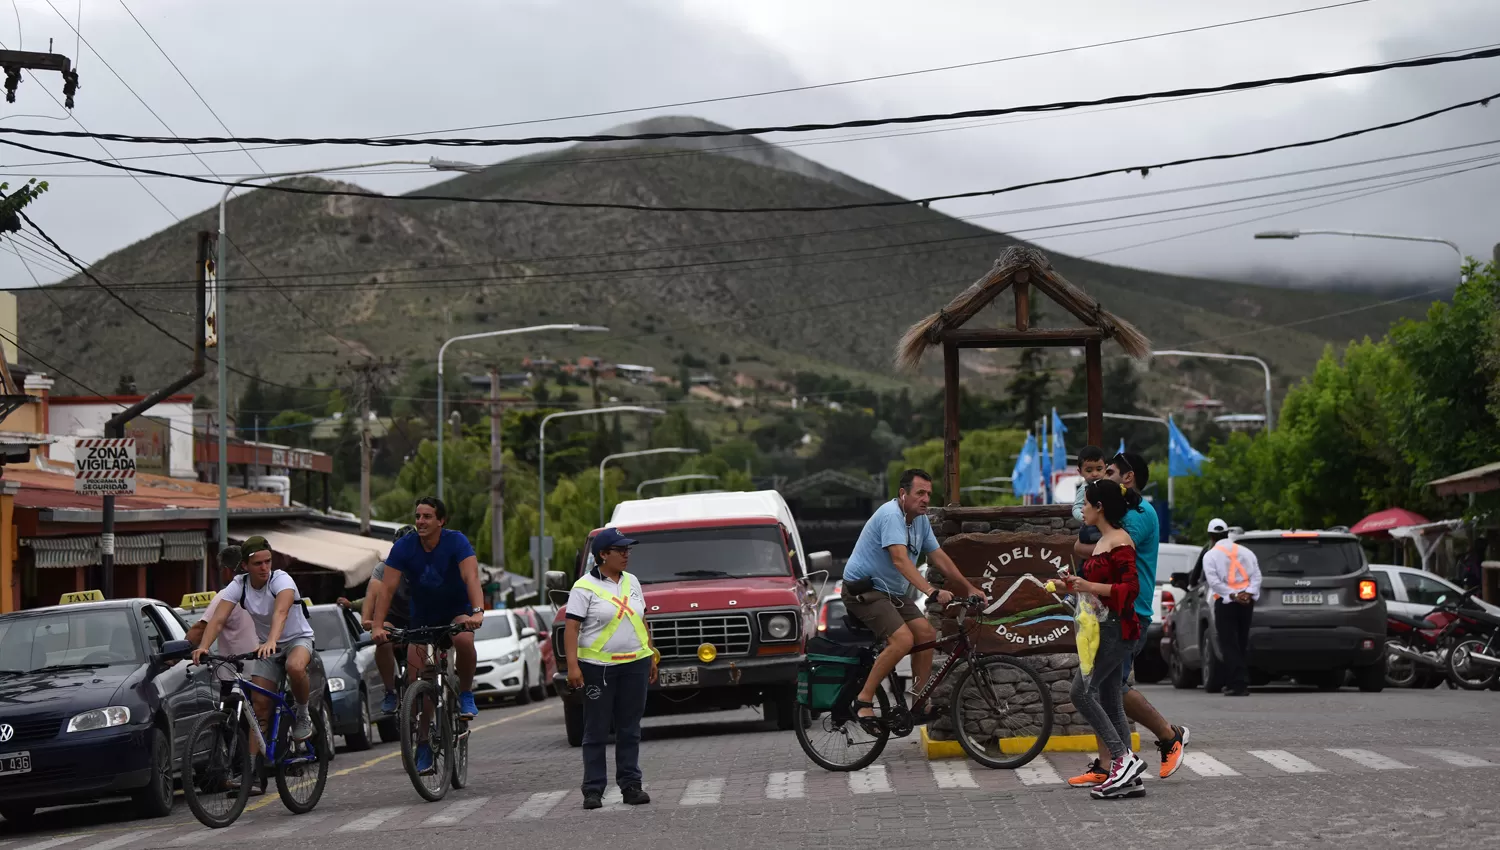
(1480, 479)
(350, 554)
(83, 550)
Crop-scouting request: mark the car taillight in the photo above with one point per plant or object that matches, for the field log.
(823, 619)
(1168, 603)
(1367, 590)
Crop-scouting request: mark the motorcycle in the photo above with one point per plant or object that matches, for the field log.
(1455, 641)
(1474, 660)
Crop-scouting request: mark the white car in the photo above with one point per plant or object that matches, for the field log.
(1150, 666)
(509, 659)
(1414, 592)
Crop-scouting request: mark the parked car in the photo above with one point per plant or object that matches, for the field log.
(1319, 617)
(510, 659)
(353, 680)
(1150, 664)
(540, 617)
(1414, 593)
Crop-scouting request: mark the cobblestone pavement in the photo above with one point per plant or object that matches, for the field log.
(1283, 767)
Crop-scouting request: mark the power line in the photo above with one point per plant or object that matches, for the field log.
(1143, 169)
(1058, 106)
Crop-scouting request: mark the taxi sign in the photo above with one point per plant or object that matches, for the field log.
(197, 600)
(81, 596)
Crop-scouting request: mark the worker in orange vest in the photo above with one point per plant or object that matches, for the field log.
(1233, 576)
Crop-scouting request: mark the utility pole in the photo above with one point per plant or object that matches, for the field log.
(365, 389)
(16, 61)
(497, 474)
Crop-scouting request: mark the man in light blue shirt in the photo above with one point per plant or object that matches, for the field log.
(879, 577)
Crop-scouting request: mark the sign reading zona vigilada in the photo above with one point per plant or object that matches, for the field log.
(106, 466)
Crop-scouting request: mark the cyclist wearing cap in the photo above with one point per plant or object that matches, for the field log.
(271, 599)
(441, 575)
(395, 617)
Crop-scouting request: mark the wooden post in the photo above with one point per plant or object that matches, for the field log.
(10, 597)
(950, 423)
(1095, 366)
(1023, 299)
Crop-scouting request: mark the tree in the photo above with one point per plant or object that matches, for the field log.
(982, 453)
(1029, 388)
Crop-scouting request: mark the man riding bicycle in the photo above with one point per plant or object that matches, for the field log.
(385, 653)
(271, 599)
(880, 575)
(442, 578)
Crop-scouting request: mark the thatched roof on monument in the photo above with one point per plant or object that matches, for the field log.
(1034, 269)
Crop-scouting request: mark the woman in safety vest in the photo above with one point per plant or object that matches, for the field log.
(611, 660)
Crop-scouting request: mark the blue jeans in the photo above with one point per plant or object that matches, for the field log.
(614, 697)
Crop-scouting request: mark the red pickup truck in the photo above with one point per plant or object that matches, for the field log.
(728, 608)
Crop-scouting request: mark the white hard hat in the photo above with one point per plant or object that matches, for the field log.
(1218, 526)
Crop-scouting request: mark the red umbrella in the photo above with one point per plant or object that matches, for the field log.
(1380, 523)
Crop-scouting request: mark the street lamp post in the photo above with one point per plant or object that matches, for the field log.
(676, 450)
(541, 470)
(221, 300)
(1294, 234)
(1213, 355)
(482, 335)
(671, 478)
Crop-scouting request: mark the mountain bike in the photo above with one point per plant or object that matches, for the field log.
(430, 715)
(1000, 707)
(219, 766)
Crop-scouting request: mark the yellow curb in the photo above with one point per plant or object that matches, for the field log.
(934, 749)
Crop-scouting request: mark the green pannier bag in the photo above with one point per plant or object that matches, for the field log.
(827, 667)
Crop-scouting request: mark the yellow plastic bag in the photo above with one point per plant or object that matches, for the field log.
(1088, 638)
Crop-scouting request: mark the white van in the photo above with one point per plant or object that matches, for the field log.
(723, 505)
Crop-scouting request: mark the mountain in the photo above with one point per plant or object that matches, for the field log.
(828, 291)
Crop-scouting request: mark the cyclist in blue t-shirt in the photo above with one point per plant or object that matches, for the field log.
(442, 579)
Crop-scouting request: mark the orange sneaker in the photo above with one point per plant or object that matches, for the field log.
(1093, 775)
(1171, 751)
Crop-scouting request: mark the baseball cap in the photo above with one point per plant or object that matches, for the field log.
(610, 538)
(253, 545)
(1218, 526)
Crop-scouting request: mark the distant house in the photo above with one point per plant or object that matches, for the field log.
(704, 379)
(590, 364)
(539, 364)
(1203, 404)
(635, 374)
(1242, 421)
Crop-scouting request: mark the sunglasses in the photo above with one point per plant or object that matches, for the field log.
(1122, 463)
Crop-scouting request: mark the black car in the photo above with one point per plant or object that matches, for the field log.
(95, 701)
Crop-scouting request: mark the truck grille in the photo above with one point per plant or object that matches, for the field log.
(32, 727)
(680, 637)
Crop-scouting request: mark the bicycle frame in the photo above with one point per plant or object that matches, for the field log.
(244, 689)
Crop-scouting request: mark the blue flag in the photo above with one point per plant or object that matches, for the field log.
(1026, 478)
(1122, 445)
(1059, 450)
(1182, 458)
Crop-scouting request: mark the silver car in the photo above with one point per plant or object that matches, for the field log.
(1414, 593)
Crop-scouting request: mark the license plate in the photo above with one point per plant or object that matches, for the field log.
(678, 677)
(15, 763)
(1301, 599)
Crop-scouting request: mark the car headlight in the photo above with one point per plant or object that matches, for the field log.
(507, 658)
(336, 684)
(99, 718)
(778, 627)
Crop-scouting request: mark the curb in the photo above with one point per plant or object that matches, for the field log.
(934, 749)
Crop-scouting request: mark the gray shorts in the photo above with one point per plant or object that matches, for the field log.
(273, 669)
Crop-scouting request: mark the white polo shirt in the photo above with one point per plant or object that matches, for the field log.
(594, 614)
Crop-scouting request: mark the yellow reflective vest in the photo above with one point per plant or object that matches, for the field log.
(623, 614)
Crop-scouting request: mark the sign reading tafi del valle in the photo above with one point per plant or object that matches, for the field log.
(1023, 617)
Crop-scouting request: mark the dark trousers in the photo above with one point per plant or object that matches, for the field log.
(614, 698)
(1232, 625)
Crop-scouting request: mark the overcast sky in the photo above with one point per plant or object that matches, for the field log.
(372, 67)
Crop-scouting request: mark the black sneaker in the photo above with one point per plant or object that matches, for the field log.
(634, 795)
(1123, 792)
(593, 800)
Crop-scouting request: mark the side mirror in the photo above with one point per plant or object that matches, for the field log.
(557, 585)
(1179, 580)
(528, 633)
(174, 650)
(819, 561)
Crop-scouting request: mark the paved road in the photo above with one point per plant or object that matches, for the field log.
(1283, 767)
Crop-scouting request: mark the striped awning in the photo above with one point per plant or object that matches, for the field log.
(183, 546)
(131, 550)
(64, 552)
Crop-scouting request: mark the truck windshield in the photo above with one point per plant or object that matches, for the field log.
(1305, 556)
(65, 638)
(736, 552)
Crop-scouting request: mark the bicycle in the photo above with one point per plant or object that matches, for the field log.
(219, 766)
(996, 683)
(429, 713)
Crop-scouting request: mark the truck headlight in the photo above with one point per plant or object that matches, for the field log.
(778, 626)
(336, 684)
(99, 718)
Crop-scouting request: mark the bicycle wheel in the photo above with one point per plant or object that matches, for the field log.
(835, 741)
(416, 730)
(458, 733)
(302, 766)
(998, 704)
(216, 770)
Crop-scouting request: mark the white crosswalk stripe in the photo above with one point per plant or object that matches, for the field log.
(292, 826)
(1370, 759)
(1454, 757)
(52, 842)
(791, 785)
(196, 836)
(1039, 772)
(456, 812)
(702, 792)
(1286, 762)
(122, 840)
(613, 796)
(538, 805)
(953, 774)
(1204, 764)
(871, 780)
(373, 820)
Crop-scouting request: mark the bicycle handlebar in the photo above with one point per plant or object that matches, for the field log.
(426, 634)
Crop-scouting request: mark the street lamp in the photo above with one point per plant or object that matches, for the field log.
(1294, 234)
(541, 470)
(1213, 355)
(221, 300)
(671, 478)
(642, 453)
(482, 335)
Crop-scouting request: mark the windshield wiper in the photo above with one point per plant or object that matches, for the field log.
(701, 573)
(58, 668)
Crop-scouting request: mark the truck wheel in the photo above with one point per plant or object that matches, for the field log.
(1213, 671)
(573, 721)
(781, 704)
(1149, 669)
(1183, 678)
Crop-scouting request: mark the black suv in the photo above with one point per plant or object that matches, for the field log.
(1319, 616)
